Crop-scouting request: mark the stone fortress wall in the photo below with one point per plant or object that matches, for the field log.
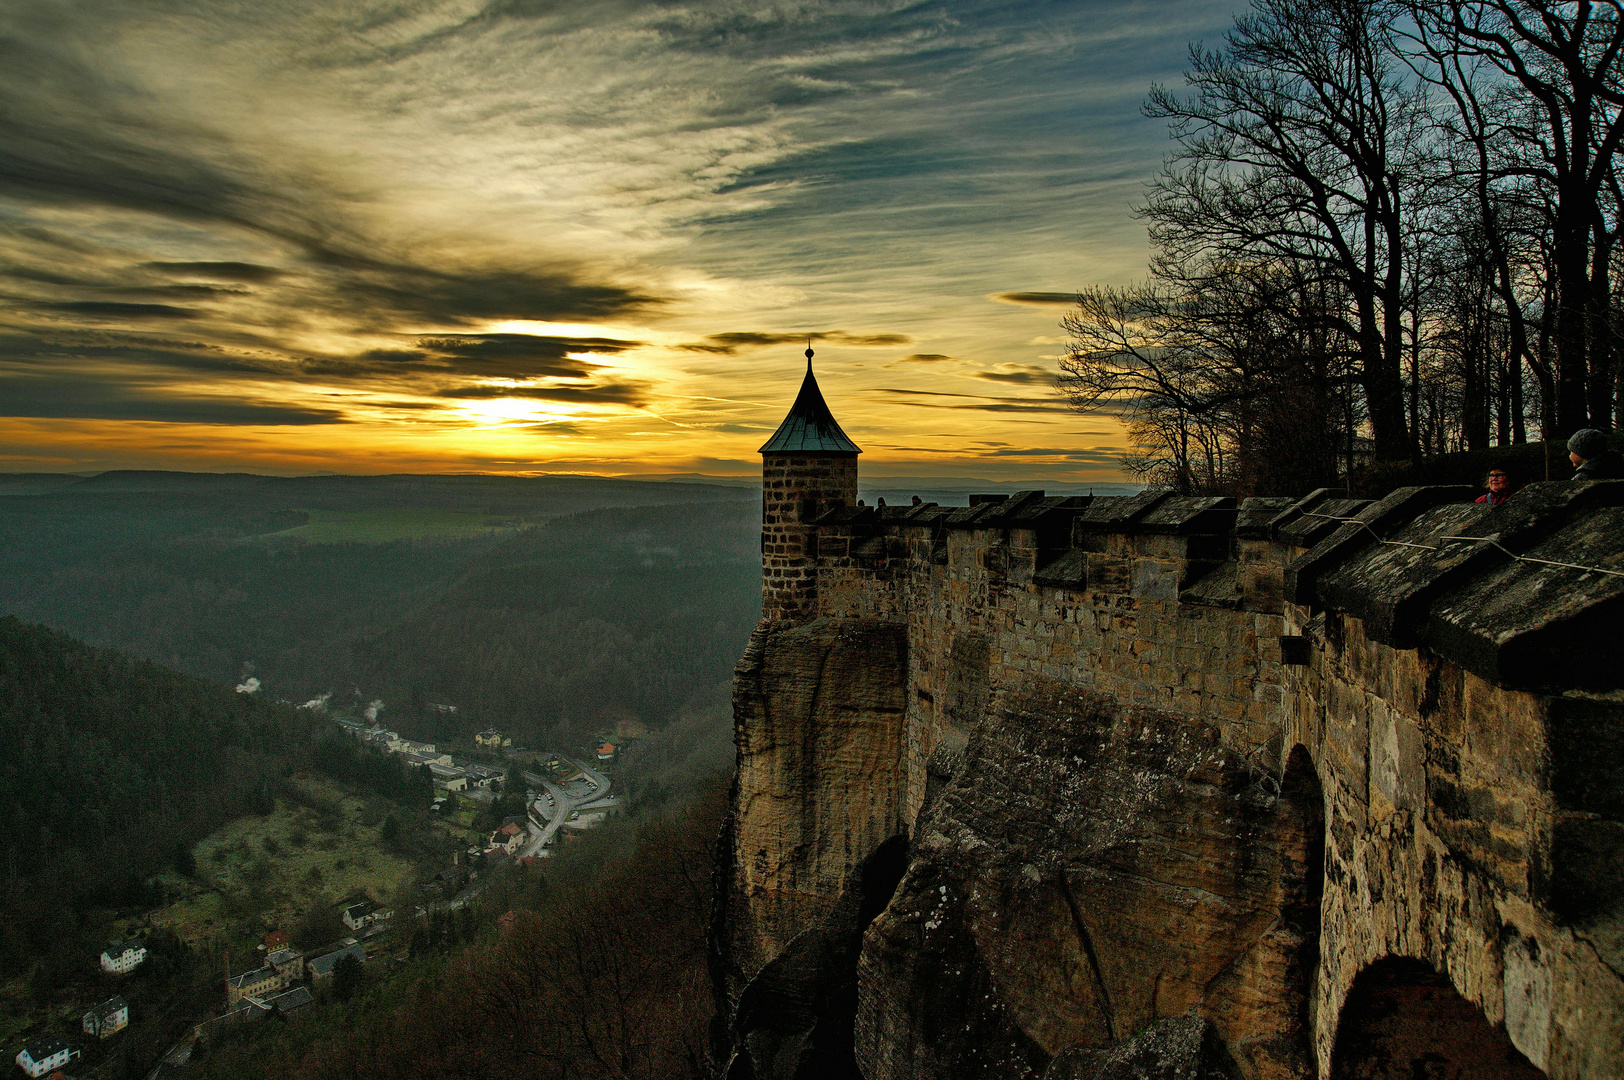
(1030, 787)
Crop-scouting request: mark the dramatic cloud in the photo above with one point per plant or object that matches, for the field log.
(512, 233)
(635, 394)
(731, 343)
(1027, 374)
(109, 310)
(1036, 299)
(218, 271)
(920, 358)
(105, 399)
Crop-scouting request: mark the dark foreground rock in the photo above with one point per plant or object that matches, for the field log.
(1185, 1048)
(1089, 871)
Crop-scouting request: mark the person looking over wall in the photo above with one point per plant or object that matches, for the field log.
(1499, 485)
(1592, 457)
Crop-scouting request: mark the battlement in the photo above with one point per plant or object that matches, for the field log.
(1424, 567)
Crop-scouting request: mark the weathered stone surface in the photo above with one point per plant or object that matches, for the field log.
(1445, 845)
(1109, 513)
(1536, 625)
(793, 1020)
(1190, 514)
(1391, 586)
(818, 727)
(1372, 522)
(1258, 512)
(1089, 870)
(1305, 526)
(1182, 1048)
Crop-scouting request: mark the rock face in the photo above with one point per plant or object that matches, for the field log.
(1186, 1048)
(818, 726)
(794, 1019)
(1186, 789)
(1089, 869)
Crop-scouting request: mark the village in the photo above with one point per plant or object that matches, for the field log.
(568, 794)
(562, 797)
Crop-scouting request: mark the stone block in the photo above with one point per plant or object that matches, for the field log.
(1109, 573)
(1376, 520)
(1397, 760)
(1153, 579)
(1525, 624)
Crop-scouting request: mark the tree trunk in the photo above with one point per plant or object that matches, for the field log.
(1600, 384)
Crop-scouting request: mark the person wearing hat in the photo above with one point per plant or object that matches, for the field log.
(1592, 457)
(1499, 485)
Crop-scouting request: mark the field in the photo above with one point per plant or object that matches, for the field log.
(272, 869)
(381, 525)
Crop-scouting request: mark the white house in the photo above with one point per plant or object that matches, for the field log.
(110, 1016)
(358, 915)
(42, 1055)
(123, 957)
(510, 837)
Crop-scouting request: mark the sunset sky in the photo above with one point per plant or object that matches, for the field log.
(527, 236)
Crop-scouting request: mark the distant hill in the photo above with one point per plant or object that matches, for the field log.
(547, 606)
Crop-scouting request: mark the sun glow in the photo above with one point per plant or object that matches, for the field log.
(502, 412)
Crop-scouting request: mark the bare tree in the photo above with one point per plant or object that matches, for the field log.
(1564, 59)
(1234, 381)
(1299, 145)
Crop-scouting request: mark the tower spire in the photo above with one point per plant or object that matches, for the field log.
(810, 427)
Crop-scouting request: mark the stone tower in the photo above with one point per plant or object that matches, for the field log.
(807, 467)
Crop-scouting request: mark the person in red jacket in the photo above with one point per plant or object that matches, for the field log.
(1499, 485)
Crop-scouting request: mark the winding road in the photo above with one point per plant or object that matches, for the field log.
(545, 820)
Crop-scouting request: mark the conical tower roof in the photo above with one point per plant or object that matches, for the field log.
(810, 426)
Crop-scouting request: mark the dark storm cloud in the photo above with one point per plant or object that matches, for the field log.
(107, 309)
(1036, 299)
(525, 349)
(471, 295)
(250, 273)
(126, 350)
(730, 343)
(491, 356)
(108, 399)
(191, 292)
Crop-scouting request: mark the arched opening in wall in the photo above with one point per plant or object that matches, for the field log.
(1403, 1020)
(1303, 846)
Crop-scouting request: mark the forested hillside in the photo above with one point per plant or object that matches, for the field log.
(548, 607)
(109, 768)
